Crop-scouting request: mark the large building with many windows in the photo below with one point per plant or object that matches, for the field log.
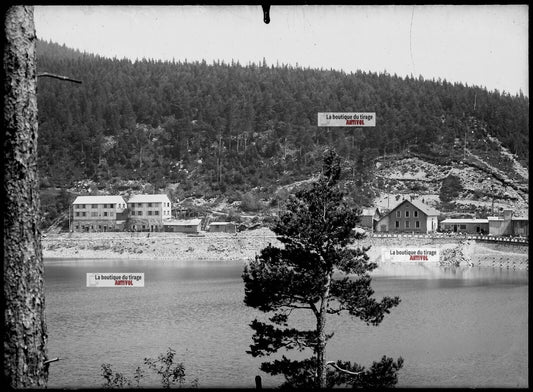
(147, 212)
(98, 213)
(409, 216)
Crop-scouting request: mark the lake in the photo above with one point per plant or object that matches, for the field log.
(455, 327)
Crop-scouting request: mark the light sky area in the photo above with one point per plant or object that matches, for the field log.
(482, 45)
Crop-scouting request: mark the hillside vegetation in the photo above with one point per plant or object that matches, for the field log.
(215, 131)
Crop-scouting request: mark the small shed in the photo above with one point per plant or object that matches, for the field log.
(369, 218)
(520, 226)
(182, 226)
(222, 227)
(508, 224)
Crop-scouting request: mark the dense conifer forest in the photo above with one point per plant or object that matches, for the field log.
(220, 128)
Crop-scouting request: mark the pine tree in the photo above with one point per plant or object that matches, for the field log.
(25, 336)
(315, 270)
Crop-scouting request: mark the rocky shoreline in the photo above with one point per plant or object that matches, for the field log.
(244, 246)
(176, 247)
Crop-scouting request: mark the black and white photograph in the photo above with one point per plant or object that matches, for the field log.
(266, 196)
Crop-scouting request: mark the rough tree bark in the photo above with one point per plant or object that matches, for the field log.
(25, 334)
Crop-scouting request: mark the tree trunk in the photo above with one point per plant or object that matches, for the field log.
(321, 333)
(24, 324)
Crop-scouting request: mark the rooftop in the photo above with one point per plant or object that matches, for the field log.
(369, 211)
(99, 200)
(465, 220)
(175, 222)
(501, 218)
(430, 211)
(161, 198)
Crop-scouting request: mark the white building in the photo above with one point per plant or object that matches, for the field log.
(147, 212)
(98, 213)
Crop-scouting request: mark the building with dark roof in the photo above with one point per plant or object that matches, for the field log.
(409, 216)
(369, 218)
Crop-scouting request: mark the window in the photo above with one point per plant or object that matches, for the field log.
(82, 206)
(156, 212)
(105, 213)
(397, 224)
(77, 214)
(406, 224)
(149, 212)
(94, 206)
(416, 213)
(417, 224)
(149, 204)
(83, 213)
(93, 214)
(398, 214)
(462, 227)
(407, 213)
(139, 212)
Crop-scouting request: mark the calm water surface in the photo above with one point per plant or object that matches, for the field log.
(454, 327)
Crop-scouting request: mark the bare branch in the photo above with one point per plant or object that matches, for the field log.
(297, 307)
(53, 360)
(313, 308)
(49, 75)
(336, 311)
(333, 364)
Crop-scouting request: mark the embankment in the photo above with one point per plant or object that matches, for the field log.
(245, 245)
(158, 246)
(458, 251)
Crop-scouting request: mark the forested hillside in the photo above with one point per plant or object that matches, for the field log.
(222, 128)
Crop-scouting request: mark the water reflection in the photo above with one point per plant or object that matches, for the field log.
(462, 327)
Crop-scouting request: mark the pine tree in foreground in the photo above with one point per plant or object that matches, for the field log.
(316, 271)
